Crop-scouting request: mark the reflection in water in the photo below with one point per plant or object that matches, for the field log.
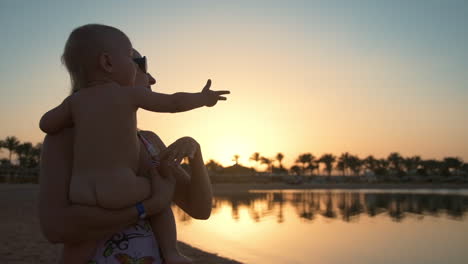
(344, 205)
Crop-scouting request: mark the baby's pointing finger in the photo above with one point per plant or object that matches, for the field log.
(207, 86)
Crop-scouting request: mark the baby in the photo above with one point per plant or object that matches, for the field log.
(100, 62)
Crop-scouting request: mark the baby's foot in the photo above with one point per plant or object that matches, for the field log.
(177, 259)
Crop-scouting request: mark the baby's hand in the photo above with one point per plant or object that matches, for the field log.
(212, 97)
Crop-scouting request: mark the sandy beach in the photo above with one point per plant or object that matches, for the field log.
(21, 239)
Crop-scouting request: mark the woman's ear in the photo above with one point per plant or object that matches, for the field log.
(105, 62)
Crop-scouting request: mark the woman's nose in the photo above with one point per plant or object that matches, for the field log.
(151, 79)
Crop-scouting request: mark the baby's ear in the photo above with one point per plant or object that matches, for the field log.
(105, 62)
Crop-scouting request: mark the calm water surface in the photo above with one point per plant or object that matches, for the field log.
(334, 226)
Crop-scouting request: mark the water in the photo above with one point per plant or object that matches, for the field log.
(334, 226)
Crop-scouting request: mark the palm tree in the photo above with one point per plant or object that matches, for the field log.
(429, 167)
(465, 169)
(355, 164)
(279, 158)
(411, 164)
(341, 167)
(395, 160)
(453, 164)
(268, 162)
(305, 159)
(213, 166)
(255, 157)
(36, 155)
(370, 163)
(24, 152)
(343, 162)
(382, 167)
(328, 160)
(11, 143)
(236, 158)
(314, 165)
(2, 145)
(295, 170)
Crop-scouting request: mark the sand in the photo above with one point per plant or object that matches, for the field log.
(22, 242)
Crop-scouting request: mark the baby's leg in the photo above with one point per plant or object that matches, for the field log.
(121, 188)
(164, 229)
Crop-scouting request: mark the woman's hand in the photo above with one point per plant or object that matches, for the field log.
(162, 189)
(181, 148)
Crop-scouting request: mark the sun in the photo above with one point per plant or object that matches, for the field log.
(223, 148)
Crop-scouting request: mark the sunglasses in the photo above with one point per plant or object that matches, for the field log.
(141, 62)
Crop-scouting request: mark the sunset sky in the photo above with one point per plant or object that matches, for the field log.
(367, 77)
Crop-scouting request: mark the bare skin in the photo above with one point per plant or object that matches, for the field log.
(63, 222)
(104, 163)
(79, 227)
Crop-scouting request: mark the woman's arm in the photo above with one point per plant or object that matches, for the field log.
(194, 197)
(63, 222)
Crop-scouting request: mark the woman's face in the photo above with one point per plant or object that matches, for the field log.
(142, 78)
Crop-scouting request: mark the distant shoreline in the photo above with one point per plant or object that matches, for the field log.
(285, 186)
(240, 187)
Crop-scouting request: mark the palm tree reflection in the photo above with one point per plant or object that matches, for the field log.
(347, 206)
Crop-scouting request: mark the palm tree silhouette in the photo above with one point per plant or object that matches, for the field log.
(355, 164)
(2, 145)
(213, 166)
(236, 158)
(11, 143)
(343, 162)
(36, 155)
(268, 162)
(306, 160)
(452, 164)
(296, 170)
(341, 167)
(279, 158)
(370, 163)
(395, 160)
(24, 152)
(411, 164)
(431, 167)
(382, 165)
(255, 157)
(328, 160)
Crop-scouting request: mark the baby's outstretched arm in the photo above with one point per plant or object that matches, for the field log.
(57, 119)
(178, 102)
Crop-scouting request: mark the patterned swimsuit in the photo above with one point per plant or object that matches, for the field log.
(135, 244)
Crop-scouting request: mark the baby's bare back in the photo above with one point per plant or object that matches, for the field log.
(106, 148)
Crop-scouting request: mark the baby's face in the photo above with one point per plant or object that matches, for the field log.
(123, 67)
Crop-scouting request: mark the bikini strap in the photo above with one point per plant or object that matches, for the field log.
(151, 149)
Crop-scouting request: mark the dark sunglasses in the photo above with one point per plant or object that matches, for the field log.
(141, 62)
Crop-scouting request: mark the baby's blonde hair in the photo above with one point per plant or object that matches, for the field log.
(82, 50)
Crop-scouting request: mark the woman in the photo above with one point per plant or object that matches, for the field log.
(78, 225)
